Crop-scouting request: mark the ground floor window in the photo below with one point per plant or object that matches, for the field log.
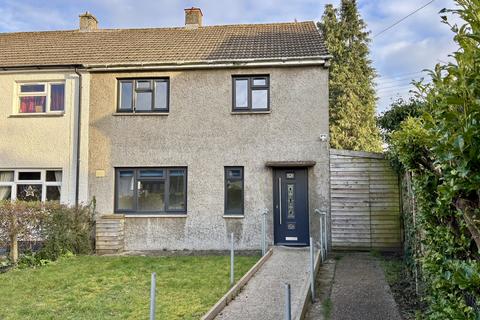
(234, 190)
(30, 185)
(151, 190)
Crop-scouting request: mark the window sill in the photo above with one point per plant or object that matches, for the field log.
(234, 216)
(156, 215)
(251, 112)
(33, 115)
(142, 114)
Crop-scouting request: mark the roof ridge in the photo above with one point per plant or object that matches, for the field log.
(241, 25)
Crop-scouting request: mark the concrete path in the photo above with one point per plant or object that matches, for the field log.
(360, 291)
(264, 295)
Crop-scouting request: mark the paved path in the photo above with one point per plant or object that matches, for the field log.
(360, 291)
(263, 297)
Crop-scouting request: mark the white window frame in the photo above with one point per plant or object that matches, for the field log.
(46, 92)
(43, 177)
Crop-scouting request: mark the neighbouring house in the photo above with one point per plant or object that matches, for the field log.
(183, 135)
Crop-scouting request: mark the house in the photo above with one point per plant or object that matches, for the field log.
(183, 135)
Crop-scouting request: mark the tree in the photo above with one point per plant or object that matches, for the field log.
(352, 95)
(390, 120)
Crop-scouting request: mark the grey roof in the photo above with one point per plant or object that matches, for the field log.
(162, 45)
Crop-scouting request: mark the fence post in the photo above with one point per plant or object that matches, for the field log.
(264, 231)
(232, 261)
(312, 269)
(288, 302)
(153, 286)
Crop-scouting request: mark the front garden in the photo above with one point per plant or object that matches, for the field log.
(93, 287)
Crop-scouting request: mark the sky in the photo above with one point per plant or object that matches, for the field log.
(399, 55)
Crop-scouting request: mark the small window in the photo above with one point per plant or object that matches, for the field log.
(233, 190)
(143, 95)
(251, 93)
(41, 98)
(151, 190)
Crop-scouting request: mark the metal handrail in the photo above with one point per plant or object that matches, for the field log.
(323, 233)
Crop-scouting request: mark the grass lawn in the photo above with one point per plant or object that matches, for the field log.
(91, 287)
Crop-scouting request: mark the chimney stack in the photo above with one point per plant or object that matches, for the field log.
(193, 18)
(88, 22)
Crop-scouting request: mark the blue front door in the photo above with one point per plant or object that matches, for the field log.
(290, 197)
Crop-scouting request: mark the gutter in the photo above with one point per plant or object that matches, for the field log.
(210, 64)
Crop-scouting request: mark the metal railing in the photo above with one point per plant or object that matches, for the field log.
(323, 234)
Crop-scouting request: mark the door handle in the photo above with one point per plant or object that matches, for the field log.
(280, 198)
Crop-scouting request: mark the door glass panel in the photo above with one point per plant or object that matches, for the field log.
(151, 195)
(29, 192)
(291, 201)
(125, 191)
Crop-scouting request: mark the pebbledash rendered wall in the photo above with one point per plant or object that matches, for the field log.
(201, 133)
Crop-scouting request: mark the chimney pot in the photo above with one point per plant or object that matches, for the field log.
(193, 18)
(88, 22)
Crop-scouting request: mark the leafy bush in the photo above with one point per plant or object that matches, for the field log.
(441, 149)
(19, 220)
(67, 229)
(60, 228)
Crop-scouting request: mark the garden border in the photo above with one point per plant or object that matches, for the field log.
(233, 292)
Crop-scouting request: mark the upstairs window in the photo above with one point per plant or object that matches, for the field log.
(41, 98)
(143, 95)
(251, 93)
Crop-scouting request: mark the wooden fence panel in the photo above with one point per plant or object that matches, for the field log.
(365, 201)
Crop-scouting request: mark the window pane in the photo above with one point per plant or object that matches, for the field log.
(125, 191)
(5, 193)
(234, 196)
(57, 97)
(6, 176)
(144, 101)
(259, 99)
(54, 176)
(176, 197)
(32, 88)
(29, 192)
(260, 82)
(53, 193)
(151, 173)
(241, 93)
(33, 104)
(161, 88)
(151, 195)
(144, 85)
(29, 175)
(234, 173)
(126, 95)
